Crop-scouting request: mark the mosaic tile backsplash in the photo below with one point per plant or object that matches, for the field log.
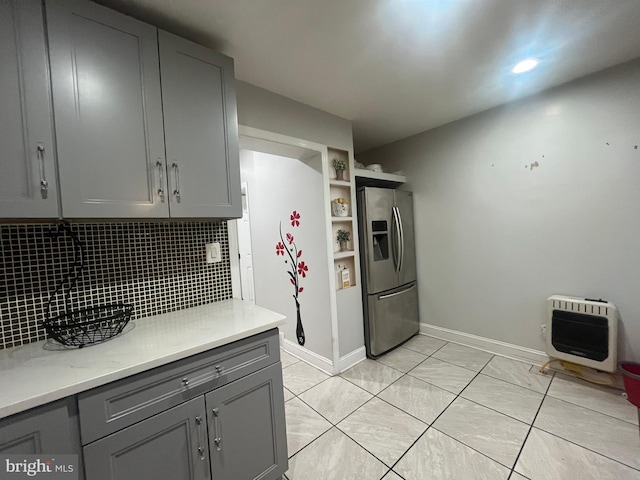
(157, 267)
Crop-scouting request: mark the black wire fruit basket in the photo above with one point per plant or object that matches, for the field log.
(85, 326)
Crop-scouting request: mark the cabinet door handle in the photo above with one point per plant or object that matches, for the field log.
(217, 439)
(176, 171)
(185, 381)
(160, 168)
(218, 369)
(44, 185)
(201, 436)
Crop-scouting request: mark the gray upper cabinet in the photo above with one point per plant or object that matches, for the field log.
(108, 112)
(201, 129)
(27, 164)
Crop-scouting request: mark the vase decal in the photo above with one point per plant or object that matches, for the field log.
(297, 268)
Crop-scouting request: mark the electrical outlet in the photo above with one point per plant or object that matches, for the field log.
(543, 331)
(213, 252)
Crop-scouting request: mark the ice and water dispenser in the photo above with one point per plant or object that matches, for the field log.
(380, 233)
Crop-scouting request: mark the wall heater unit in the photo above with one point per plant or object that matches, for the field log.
(583, 331)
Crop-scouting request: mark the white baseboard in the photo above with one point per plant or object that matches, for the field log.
(308, 356)
(497, 347)
(351, 359)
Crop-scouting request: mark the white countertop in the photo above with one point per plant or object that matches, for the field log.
(34, 374)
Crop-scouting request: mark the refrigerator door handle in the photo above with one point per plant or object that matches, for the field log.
(398, 239)
(401, 239)
(389, 295)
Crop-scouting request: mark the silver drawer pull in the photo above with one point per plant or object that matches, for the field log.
(201, 435)
(44, 185)
(218, 369)
(176, 170)
(160, 167)
(389, 295)
(185, 381)
(217, 440)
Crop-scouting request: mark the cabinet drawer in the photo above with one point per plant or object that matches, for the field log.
(109, 408)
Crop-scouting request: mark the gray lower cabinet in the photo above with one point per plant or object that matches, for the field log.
(170, 445)
(201, 129)
(27, 164)
(108, 112)
(241, 436)
(246, 423)
(48, 429)
(155, 424)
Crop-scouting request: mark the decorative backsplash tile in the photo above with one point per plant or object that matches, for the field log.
(157, 267)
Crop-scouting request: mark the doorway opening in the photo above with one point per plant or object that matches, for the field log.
(281, 176)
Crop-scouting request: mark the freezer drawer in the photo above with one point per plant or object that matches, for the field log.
(392, 318)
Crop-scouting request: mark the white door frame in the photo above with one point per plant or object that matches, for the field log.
(277, 144)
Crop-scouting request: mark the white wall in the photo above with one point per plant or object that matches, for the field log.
(277, 186)
(495, 237)
(260, 108)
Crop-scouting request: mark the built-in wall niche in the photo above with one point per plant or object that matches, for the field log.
(343, 155)
(345, 263)
(341, 204)
(346, 226)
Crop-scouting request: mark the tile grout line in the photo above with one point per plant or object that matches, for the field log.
(526, 437)
(591, 409)
(586, 448)
(434, 421)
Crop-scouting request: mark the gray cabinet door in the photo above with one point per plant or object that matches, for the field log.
(201, 130)
(247, 433)
(108, 112)
(45, 429)
(27, 167)
(170, 445)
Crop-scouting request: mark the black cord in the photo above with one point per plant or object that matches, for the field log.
(77, 268)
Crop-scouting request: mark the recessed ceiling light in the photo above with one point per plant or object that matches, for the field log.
(525, 65)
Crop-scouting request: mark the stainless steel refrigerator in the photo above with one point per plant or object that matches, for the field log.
(388, 262)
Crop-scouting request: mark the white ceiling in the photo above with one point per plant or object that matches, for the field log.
(399, 67)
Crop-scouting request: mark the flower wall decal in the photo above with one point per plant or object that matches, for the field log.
(297, 268)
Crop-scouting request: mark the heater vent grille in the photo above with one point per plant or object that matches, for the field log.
(580, 306)
(583, 331)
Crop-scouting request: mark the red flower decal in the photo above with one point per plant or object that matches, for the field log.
(299, 253)
(289, 238)
(300, 289)
(280, 248)
(292, 282)
(302, 269)
(295, 219)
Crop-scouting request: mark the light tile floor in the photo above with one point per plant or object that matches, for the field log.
(436, 410)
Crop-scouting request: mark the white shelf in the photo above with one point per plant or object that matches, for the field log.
(341, 219)
(344, 254)
(340, 183)
(344, 289)
(369, 178)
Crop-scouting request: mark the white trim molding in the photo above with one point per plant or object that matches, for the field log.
(351, 359)
(497, 347)
(308, 356)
